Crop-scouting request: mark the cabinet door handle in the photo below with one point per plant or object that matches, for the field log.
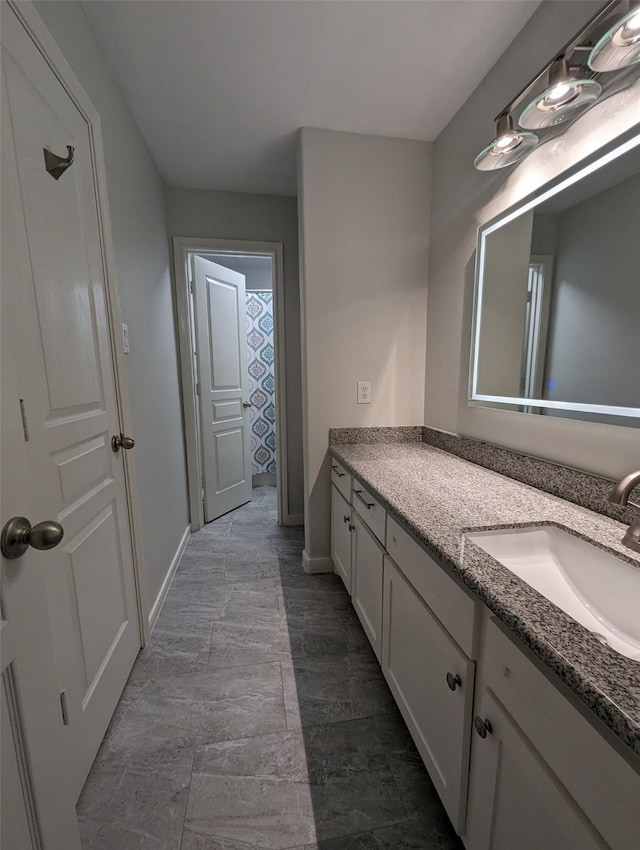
(345, 519)
(337, 470)
(351, 527)
(368, 505)
(453, 681)
(482, 726)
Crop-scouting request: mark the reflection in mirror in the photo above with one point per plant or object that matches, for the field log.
(557, 316)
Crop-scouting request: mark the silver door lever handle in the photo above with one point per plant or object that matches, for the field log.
(247, 404)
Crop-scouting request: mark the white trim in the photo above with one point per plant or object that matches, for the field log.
(316, 565)
(294, 519)
(182, 247)
(166, 584)
(44, 41)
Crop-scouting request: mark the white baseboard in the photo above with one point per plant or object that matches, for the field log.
(316, 565)
(166, 584)
(294, 519)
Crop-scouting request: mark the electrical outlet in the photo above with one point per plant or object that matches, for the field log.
(364, 392)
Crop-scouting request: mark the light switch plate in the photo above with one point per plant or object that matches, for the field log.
(364, 392)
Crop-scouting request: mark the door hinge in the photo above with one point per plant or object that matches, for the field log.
(197, 389)
(23, 414)
(192, 287)
(64, 708)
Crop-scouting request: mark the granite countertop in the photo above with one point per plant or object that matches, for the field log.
(438, 497)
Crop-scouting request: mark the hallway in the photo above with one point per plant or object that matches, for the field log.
(257, 716)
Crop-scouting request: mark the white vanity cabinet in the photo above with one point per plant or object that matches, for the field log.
(432, 682)
(541, 775)
(341, 527)
(517, 765)
(366, 581)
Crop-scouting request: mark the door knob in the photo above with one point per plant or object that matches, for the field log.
(247, 404)
(18, 534)
(119, 441)
(482, 726)
(453, 681)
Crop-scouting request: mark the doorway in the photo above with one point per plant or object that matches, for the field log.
(261, 339)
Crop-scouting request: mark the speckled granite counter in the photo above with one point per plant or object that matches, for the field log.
(438, 497)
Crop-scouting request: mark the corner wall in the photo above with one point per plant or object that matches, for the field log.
(137, 213)
(364, 223)
(462, 200)
(261, 218)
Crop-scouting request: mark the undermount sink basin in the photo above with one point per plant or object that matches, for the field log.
(597, 589)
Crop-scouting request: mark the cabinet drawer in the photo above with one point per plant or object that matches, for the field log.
(371, 511)
(341, 478)
(449, 602)
(603, 784)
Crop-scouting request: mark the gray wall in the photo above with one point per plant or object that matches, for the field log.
(594, 339)
(136, 203)
(464, 198)
(268, 218)
(364, 223)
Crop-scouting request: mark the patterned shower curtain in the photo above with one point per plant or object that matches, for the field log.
(262, 384)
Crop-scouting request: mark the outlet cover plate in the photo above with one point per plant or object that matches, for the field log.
(364, 392)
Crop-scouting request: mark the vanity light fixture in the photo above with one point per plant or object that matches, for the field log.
(569, 84)
(567, 94)
(619, 47)
(508, 147)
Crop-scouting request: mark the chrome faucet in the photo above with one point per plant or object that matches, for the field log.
(620, 496)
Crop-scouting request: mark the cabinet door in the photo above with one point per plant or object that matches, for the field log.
(417, 655)
(514, 798)
(366, 582)
(341, 536)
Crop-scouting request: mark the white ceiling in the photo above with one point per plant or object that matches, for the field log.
(219, 88)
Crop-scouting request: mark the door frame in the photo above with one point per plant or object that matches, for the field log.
(183, 247)
(46, 44)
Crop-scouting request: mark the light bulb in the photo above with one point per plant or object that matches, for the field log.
(619, 47)
(629, 32)
(508, 147)
(563, 99)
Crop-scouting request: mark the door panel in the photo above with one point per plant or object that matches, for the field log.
(61, 341)
(366, 582)
(341, 536)
(417, 654)
(37, 803)
(515, 800)
(219, 301)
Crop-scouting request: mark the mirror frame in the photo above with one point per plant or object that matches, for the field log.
(621, 145)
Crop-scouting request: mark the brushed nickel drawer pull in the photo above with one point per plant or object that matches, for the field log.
(337, 470)
(368, 505)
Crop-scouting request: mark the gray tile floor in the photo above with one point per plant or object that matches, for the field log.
(257, 716)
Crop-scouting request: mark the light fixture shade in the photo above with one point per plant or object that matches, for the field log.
(564, 97)
(508, 147)
(620, 46)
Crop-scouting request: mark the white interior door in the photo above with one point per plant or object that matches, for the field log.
(221, 357)
(60, 342)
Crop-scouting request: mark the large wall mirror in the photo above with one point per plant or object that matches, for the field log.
(557, 301)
